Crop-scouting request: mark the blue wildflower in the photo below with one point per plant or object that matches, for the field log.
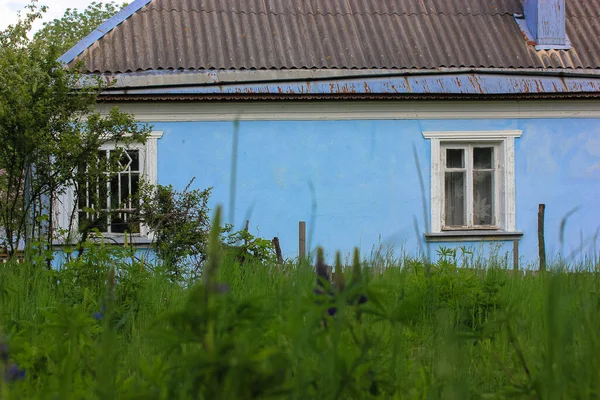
(99, 316)
(14, 373)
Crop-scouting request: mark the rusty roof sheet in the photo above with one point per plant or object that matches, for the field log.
(337, 34)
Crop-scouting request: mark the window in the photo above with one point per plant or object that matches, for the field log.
(105, 199)
(472, 183)
(469, 190)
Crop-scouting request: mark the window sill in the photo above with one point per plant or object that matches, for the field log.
(472, 236)
(116, 239)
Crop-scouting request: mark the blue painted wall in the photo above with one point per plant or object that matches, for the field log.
(356, 182)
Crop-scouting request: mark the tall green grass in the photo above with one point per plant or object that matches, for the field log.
(106, 327)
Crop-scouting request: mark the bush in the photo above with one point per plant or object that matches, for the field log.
(180, 225)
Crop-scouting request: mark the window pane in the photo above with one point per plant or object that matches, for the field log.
(115, 200)
(117, 223)
(124, 161)
(120, 224)
(455, 158)
(124, 191)
(99, 221)
(455, 198)
(135, 160)
(483, 157)
(135, 184)
(483, 198)
(102, 200)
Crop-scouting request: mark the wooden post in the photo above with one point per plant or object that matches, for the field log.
(275, 242)
(516, 255)
(302, 240)
(541, 241)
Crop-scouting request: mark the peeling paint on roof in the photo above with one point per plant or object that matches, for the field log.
(475, 83)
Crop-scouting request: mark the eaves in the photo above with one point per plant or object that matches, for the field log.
(447, 83)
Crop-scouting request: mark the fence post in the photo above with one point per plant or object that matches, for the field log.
(302, 240)
(277, 247)
(541, 241)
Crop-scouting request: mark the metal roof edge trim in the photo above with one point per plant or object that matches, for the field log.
(102, 30)
(415, 84)
(182, 79)
(593, 96)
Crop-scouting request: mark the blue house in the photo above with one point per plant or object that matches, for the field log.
(401, 124)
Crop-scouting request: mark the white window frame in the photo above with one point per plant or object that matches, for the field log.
(148, 153)
(504, 149)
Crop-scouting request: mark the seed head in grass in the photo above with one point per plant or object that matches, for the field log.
(322, 277)
(357, 273)
(214, 251)
(3, 351)
(111, 283)
(111, 279)
(340, 280)
(322, 269)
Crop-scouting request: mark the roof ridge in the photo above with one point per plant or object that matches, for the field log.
(307, 67)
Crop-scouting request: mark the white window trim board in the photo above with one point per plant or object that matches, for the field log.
(507, 148)
(472, 135)
(149, 171)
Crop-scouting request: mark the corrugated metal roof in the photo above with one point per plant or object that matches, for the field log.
(338, 34)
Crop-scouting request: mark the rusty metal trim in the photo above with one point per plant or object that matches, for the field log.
(342, 96)
(588, 74)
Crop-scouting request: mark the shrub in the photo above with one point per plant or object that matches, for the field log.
(180, 225)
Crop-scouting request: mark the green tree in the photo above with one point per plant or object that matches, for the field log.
(74, 25)
(48, 127)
